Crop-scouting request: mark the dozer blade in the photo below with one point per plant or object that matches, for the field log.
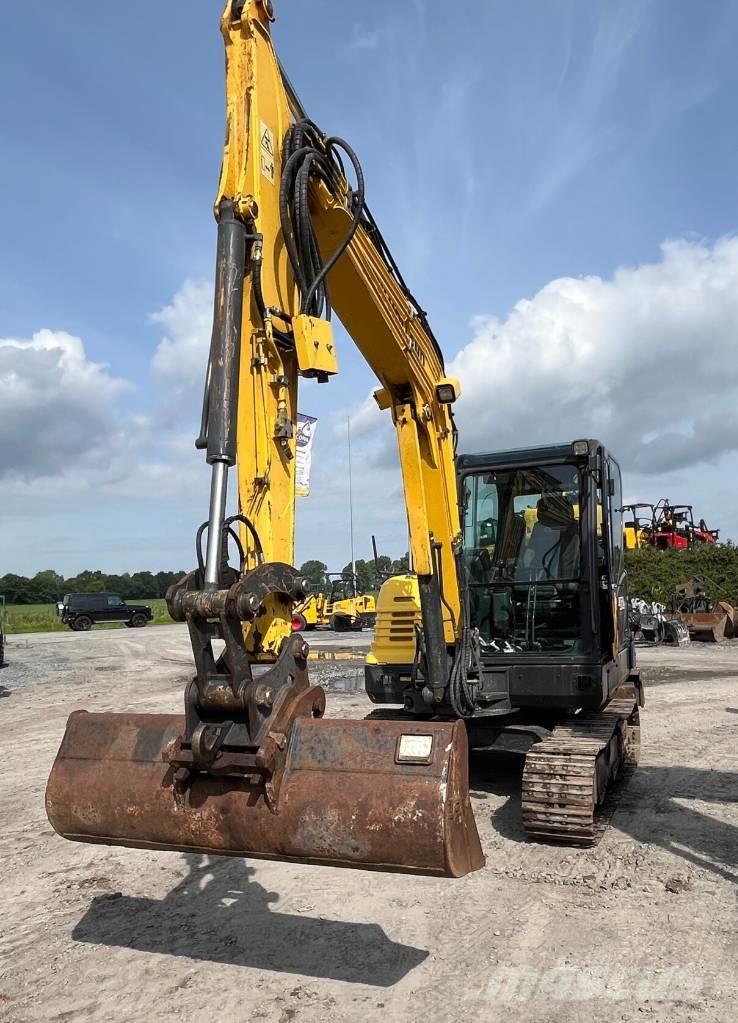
(375, 795)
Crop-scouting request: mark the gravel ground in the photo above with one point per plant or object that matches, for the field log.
(643, 926)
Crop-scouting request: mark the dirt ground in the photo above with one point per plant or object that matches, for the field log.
(642, 927)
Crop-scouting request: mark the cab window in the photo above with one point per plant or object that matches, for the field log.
(522, 551)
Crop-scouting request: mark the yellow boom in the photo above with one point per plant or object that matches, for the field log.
(373, 304)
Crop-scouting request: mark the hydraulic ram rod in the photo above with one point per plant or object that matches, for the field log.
(225, 359)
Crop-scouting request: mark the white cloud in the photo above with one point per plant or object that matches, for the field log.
(645, 361)
(67, 431)
(181, 358)
(576, 127)
(57, 406)
(87, 479)
(366, 39)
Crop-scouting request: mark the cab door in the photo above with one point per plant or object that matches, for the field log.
(616, 553)
(94, 606)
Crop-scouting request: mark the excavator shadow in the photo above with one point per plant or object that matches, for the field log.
(655, 808)
(650, 803)
(219, 914)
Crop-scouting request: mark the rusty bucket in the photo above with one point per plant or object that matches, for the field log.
(707, 626)
(382, 795)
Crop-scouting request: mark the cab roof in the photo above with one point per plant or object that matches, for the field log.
(524, 456)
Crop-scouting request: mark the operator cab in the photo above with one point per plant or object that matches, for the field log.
(544, 568)
(543, 579)
(343, 586)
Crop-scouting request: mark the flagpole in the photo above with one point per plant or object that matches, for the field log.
(351, 504)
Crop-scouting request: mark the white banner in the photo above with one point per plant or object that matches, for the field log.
(305, 432)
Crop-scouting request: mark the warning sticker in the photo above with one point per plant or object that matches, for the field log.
(267, 151)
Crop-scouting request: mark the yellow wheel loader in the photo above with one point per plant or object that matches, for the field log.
(343, 609)
(309, 613)
(251, 767)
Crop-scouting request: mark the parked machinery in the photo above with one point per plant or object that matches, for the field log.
(253, 767)
(638, 525)
(678, 519)
(665, 526)
(342, 609)
(708, 620)
(649, 620)
(544, 586)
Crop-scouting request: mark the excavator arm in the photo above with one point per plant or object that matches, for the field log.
(252, 767)
(320, 249)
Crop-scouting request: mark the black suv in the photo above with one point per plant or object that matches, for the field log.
(80, 611)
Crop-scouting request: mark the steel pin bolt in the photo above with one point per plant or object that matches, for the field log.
(265, 696)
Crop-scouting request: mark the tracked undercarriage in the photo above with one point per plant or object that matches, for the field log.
(567, 776)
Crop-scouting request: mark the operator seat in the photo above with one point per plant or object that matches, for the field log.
(553, 549)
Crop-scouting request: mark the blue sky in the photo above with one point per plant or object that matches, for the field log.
(506, 149)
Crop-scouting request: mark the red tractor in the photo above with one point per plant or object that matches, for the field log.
(674, 527)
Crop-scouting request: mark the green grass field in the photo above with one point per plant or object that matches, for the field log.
(42, 617)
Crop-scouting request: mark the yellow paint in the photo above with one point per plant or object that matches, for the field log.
(372, 307)
(319, 609)
(337, 655)
(316, 352)
(635, 538)
(398, 616)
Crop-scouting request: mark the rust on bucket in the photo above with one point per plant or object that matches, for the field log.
(377, 795)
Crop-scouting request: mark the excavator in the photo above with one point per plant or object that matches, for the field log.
(252, 767)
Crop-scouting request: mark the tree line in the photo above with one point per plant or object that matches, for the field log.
(656, 575)
(48, 587)
(652, 574)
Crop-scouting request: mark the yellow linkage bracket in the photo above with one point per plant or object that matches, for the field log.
(316, 351)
